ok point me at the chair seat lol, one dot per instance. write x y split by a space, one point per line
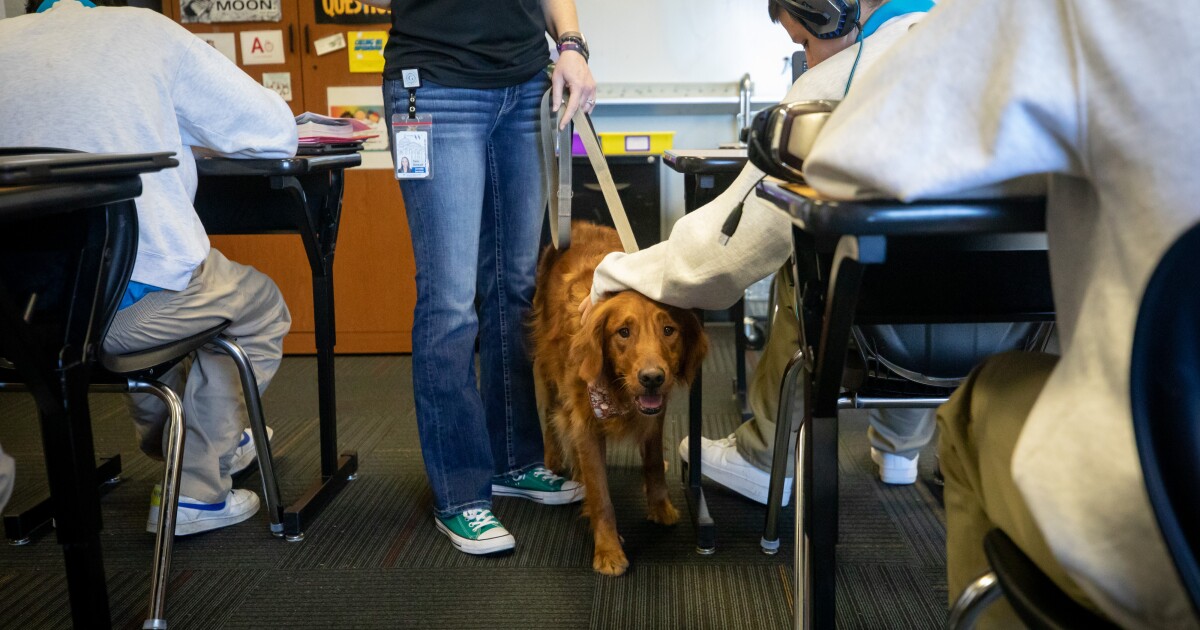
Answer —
1037 600
163 356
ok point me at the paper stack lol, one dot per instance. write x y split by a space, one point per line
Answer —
331 134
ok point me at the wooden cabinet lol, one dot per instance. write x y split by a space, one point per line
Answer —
374 273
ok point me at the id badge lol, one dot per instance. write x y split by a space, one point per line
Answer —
411 140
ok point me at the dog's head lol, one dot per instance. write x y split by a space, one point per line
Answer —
639 349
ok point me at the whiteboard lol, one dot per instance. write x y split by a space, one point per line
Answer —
681 41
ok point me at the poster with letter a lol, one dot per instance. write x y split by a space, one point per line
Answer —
206 11
262 47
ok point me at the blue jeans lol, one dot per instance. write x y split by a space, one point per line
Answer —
475 233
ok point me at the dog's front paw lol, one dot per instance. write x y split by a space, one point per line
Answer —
663 513
610 561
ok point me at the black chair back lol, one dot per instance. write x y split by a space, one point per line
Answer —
1165 396
62 275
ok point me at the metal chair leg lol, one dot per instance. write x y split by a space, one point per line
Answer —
258 427
168 502
785 427
800 570
974 600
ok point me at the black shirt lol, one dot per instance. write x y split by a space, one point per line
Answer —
467 43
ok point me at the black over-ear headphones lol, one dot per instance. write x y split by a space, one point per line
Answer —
826 19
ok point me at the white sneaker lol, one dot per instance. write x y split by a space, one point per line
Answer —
245 454
720 461
895 469
194 517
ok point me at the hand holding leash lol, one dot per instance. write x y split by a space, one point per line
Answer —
572 72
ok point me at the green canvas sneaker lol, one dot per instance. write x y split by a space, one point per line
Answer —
541 485
476 532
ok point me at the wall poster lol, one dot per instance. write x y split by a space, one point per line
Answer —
366 104
350 12
211 11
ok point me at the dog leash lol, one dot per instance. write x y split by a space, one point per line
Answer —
559 206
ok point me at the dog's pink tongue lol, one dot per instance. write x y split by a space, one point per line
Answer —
650 402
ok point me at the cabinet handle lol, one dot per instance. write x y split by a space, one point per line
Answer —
307 43
291 39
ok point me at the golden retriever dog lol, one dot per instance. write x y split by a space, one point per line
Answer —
607 378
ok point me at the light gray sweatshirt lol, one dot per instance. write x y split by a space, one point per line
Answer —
126 80
690 269
1102 95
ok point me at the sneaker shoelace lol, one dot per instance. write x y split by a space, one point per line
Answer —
480 518
547 475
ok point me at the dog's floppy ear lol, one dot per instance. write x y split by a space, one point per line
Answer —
695 343
587 347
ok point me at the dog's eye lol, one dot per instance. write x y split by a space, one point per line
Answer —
624 332
668 330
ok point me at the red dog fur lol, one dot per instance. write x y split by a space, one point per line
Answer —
636 348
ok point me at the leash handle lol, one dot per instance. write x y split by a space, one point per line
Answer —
560 203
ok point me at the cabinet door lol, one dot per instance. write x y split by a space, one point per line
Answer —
374 273
288 26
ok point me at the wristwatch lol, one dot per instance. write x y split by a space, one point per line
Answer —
573 40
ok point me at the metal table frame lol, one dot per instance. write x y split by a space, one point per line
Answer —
701 172
59 382
300 195
967 260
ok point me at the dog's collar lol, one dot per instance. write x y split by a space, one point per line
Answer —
603 405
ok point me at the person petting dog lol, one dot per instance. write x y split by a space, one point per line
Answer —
690 270
479 70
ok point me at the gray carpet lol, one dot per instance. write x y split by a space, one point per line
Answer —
374 559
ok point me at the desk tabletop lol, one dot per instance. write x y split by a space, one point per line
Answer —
888 217
18 202
705 161
299 165
49 166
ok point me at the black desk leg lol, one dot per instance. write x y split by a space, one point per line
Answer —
738 314
706 529
20 526
335 471
821 462
71 469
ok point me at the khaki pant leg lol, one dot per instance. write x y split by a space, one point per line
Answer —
214 408
756 436
979 426
902 432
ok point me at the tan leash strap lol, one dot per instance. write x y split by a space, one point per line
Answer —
560 204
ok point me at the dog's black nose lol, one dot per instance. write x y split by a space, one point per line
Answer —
651 378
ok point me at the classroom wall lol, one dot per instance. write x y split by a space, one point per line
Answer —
681 42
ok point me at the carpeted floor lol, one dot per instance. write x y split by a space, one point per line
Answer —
374 559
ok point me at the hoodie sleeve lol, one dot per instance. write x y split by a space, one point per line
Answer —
222 109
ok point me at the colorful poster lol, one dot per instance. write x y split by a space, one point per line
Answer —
366 51
262 47
223 42
206 11
366 104
281 82
350 12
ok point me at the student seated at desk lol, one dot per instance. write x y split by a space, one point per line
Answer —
127 80
1099 95
691 270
